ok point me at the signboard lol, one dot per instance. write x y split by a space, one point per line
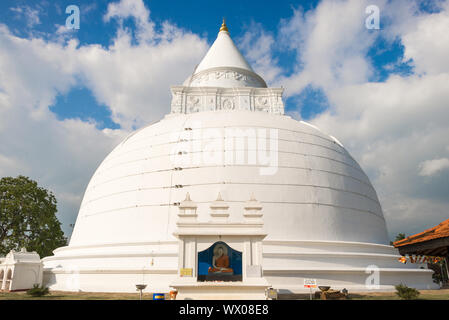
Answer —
186 272
272 294
309 283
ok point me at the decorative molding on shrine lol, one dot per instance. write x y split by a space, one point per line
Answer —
187 210
253 210
238 76
219 209
186 99
219 225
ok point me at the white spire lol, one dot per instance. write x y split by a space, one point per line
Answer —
225 81
224 66
223 53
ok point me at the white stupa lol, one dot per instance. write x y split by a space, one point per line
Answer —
227 135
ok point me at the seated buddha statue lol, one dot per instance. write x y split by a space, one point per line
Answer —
220 262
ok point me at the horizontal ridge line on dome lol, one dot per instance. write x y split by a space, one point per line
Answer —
233 137
193 140
115 254
270 242
114 271
376 201
264 254
265 270
267 243
342 269
333 253
321 136
274 242
236 165
118 165
231 201
118 244
233 183
215 166
335 173
232 150
137 131
226 150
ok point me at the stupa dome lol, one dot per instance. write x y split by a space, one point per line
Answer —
227 135
316 191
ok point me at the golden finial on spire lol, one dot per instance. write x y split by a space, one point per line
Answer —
223 26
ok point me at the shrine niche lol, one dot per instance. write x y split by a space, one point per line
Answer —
220 258
219 263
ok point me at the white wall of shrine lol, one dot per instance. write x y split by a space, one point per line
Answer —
20 270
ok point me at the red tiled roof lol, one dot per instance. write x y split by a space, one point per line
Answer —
439 231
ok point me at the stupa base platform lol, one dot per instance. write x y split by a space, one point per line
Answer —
235 290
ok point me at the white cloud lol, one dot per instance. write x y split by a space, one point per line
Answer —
60 155
132 9
390 127
131 77
134 80
330 42
427 42
413 215
8 164
257 46
431 167
31 15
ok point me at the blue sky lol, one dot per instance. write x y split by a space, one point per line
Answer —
383 93
200 17
189 15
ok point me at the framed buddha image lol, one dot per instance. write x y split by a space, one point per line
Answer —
219 262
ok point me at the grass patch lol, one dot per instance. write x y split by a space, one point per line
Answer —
442 294
62 295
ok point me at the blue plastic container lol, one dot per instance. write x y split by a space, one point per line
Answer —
158 296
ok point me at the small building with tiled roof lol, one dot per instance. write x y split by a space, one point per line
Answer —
431 242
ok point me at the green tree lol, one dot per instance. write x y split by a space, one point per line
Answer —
400 236
28 217
406 293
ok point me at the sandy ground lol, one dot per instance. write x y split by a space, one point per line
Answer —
62 295
442 294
